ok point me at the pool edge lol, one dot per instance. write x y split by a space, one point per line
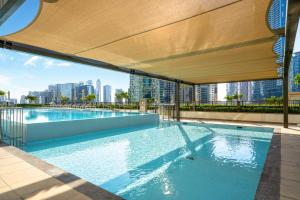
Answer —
269 182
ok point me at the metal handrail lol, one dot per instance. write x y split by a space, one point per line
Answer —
12 129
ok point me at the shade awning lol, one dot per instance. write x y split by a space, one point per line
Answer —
197 41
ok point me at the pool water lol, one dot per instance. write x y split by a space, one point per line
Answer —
168 161
52 115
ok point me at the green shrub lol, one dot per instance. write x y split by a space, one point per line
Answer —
244 108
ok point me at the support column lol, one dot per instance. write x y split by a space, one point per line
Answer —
286 89
194 97
177 101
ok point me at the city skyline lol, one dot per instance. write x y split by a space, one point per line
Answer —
28 72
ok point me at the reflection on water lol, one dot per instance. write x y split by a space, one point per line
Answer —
150 162
50 115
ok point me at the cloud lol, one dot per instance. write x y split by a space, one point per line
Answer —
5 80
45 62
64 64
32 61
48 63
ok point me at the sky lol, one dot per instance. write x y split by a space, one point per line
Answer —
21 72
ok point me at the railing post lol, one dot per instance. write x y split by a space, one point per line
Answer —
177 100
285 89
194 97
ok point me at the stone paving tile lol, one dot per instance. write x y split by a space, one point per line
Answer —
10 160
7 169
56 192
23 176
38 186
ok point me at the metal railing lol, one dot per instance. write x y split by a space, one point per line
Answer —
12 129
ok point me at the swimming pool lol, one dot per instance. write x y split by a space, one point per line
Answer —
167 161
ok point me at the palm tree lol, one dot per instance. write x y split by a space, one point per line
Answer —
31 98
228 98
64 99
2 93
297 79
271 100
90 97
119 96
238 98
125 96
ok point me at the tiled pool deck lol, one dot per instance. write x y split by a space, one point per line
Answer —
23 176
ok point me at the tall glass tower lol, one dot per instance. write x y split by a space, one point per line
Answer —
294 70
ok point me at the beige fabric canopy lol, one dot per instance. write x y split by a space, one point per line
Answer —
199 41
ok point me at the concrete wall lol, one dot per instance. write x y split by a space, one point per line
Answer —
234 116
48 130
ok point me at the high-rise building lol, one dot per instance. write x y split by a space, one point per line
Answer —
23 100
166 92
143 88
294 70
43 97
83 91
2 98
98 90
68 90
206 93
106 93
277 13
244 88
186 94
89 82
54 93
265 89
8 95
81 83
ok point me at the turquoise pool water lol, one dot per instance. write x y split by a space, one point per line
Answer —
52 115
168 161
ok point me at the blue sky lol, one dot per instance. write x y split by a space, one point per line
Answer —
20 72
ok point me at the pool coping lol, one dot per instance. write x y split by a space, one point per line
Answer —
82 186
269 182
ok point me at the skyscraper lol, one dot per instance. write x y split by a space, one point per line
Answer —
166 92
67 90
98 90
143 88
89 82
267 88
22 99
83 91
206 93
185 94
294 70
43 97
244 88
106 93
